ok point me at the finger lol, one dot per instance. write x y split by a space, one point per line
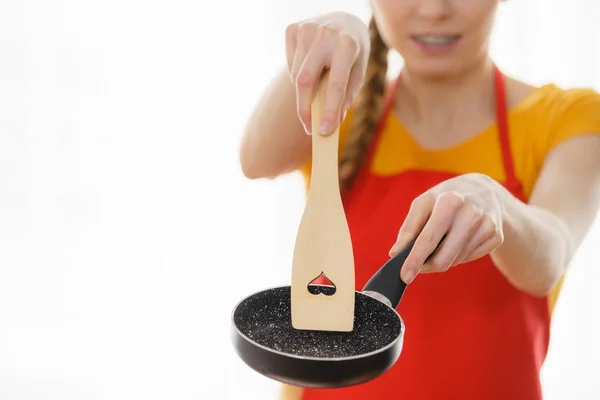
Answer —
486 230
461 231
419 213
489 238
442 217
350 94
309 75
305 35
484 248
343 59
357 75
291 35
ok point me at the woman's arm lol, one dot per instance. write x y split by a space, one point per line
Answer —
531 244
541 237
274 141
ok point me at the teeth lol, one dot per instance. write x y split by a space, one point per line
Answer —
436 40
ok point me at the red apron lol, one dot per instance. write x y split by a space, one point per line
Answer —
469 333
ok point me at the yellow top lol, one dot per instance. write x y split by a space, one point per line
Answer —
539 122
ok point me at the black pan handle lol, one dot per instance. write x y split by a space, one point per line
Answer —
387 280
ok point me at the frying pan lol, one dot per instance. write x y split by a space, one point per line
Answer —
265 340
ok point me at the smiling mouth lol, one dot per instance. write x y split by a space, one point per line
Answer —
436 40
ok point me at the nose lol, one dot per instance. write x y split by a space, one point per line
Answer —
434 9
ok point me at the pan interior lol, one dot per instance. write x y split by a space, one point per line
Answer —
265 318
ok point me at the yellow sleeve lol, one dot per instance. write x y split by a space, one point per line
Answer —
574 112
565 114
305 169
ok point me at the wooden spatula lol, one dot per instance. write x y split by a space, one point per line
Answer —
322 290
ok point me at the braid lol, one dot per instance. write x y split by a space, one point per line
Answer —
369 106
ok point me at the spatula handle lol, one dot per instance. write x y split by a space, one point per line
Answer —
324 175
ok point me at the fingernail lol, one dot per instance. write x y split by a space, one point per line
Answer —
408 278
394 250
324 129
306 128
400 243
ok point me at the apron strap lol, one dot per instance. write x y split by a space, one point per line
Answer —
503 129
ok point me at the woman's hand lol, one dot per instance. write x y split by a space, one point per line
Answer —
467 210
338 42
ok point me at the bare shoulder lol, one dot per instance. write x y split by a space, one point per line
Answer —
517 90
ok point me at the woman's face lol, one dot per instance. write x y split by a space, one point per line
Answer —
437 37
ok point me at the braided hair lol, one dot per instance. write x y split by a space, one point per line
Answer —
369 107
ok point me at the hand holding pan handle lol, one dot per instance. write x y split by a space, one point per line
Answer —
387 281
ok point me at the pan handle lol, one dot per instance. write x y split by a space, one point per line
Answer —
387 280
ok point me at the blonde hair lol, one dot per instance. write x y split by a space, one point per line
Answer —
367 111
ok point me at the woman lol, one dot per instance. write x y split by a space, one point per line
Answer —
510 173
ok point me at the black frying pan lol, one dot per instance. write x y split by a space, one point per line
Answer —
265 340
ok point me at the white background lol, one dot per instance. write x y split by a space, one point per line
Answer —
127 231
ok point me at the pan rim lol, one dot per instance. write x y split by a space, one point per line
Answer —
312 358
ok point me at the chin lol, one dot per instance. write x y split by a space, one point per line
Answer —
435 69
442 67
